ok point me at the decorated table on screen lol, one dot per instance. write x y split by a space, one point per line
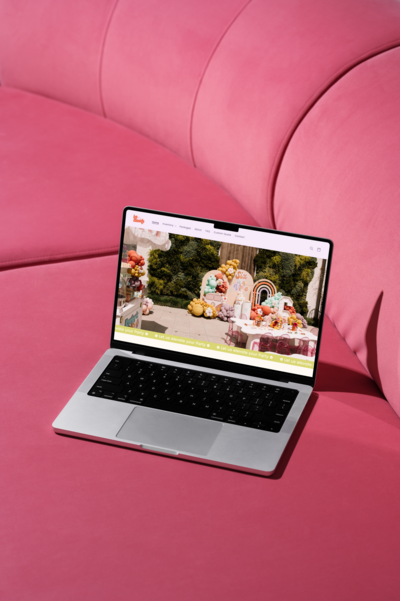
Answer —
254 333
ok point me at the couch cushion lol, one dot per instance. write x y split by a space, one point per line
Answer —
67 174
154 60
79 516
55 48
342 171
224 84
276 59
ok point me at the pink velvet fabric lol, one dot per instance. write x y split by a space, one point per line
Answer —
270 67
154 59
86 520
342 169
226 85
54 48
223 84
66 176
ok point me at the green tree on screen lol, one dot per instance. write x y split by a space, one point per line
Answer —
291 274
179 271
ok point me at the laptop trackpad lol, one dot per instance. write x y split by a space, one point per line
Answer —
169 431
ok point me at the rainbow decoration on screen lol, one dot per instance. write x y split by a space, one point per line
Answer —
262 286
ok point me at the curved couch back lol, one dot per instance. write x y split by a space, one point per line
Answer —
348 189
245 90
222 84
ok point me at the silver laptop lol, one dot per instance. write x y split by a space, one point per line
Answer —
214 342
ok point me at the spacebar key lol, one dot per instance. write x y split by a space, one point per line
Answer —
196 411
159 405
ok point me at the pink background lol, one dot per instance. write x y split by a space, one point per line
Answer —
279 114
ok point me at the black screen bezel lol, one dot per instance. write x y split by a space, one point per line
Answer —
222 365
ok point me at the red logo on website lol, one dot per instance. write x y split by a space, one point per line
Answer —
137 220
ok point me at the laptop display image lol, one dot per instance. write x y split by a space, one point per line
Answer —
215 341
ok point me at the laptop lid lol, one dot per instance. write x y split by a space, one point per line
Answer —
205 272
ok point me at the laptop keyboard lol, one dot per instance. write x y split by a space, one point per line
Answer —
196 393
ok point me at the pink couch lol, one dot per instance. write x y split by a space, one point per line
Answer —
282 114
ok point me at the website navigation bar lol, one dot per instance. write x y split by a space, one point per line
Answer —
244 237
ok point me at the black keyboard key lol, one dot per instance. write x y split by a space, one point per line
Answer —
181 386
170 398
215 385
218 402
244 399
137 400
230 403
252 386
231 418
118 362
258 401
247 415
113 373
110 387
231 388
201 375
110 380
290 394
182 402
284 407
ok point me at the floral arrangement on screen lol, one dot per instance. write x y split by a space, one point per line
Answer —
230 268
226 312
199 308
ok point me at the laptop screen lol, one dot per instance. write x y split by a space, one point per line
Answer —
233 293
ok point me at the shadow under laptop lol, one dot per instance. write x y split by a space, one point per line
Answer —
291 445
335 378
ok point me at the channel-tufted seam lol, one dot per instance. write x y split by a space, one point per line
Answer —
103 45
203 75
331 81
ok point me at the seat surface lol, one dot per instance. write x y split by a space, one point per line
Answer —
82 519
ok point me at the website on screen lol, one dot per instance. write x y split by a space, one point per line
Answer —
245 296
